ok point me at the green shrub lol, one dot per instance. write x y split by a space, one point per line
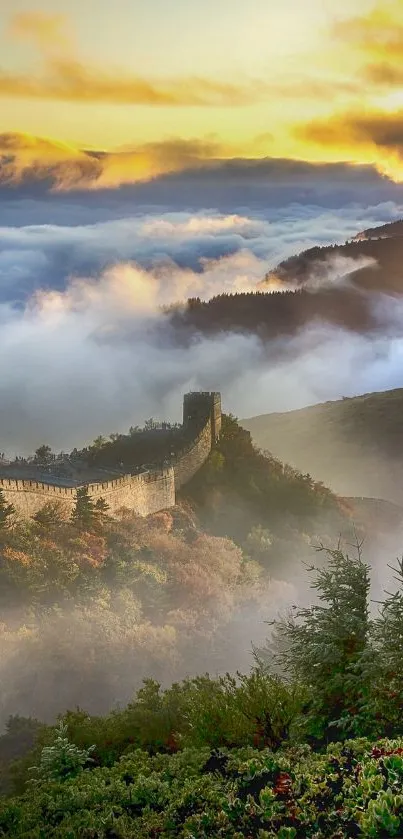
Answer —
352 790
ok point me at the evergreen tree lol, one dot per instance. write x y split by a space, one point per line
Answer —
61 760
43 456
101 509
324 646
383 703
48 516
6 512
84 514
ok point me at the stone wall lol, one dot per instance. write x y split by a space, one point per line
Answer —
193 458
30 496
146 492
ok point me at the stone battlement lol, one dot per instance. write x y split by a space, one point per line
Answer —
146 492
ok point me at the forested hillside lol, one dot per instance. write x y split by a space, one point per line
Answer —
307 746
393 228
314 291
132 595
382 273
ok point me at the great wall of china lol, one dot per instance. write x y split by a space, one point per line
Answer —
149 491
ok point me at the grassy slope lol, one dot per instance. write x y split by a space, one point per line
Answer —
354 445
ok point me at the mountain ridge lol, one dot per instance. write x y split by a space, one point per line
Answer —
354 445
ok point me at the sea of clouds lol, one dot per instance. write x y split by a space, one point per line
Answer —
85 348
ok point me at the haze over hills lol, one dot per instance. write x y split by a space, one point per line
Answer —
354 445
380 270
350 286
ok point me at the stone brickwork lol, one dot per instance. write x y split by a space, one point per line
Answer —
146 492
30 496
191 460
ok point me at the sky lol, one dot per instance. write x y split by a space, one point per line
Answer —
161 85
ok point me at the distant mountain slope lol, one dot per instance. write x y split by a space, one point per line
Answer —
355 446
385 275
336 284
393 228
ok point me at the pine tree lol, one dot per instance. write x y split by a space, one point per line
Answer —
101 511
84 514
61 760
6 512
324 646
43 456
48 516
383 668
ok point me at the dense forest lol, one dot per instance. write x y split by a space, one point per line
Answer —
383 274
392 228
301 293
272 315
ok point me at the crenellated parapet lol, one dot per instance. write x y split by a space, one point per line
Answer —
148 491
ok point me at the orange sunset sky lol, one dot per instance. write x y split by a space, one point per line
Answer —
159 85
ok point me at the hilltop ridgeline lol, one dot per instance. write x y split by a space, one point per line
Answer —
353 445
381 273
392 228
319 284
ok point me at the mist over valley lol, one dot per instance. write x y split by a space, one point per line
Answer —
201 393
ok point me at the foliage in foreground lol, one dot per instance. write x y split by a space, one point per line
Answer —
329 672
352 790
349 663
228 757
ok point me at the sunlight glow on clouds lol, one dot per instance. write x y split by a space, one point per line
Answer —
337 69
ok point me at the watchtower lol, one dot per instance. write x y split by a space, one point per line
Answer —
198 407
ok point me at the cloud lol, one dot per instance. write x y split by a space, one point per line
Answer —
48 31
222 252
378 32
200 171
62 167
384 73
333 272
92 353
80 301
71 81
102 343
376 130
66 78
98 357
378 36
